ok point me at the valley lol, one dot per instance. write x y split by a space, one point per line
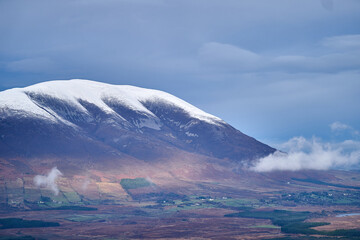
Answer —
146 207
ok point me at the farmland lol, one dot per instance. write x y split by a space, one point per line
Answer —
208 210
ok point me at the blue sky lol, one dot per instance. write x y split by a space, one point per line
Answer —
272 69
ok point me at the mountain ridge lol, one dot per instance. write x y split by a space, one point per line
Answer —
83 117
96 93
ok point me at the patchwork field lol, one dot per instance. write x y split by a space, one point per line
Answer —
143 208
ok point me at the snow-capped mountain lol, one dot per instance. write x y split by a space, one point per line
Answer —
81 118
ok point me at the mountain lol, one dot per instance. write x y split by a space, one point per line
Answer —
95 161
92 121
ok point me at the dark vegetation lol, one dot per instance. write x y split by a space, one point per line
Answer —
45 199
75 208
139 212
129 223
161 197
293 222
21 223
27 237
278 217
128 183
301 227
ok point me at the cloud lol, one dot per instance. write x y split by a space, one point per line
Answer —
338 126
299 65
220 56
335 62
48 181
341 128
228 56
312 154
342 42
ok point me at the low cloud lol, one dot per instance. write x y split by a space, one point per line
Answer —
48 181
85 184
304 154
338 127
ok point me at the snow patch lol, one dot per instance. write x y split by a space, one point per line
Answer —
149 123
189 134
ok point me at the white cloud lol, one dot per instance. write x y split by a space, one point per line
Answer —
313 154
48 181
338 126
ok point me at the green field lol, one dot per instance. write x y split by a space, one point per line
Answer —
128 183
72 197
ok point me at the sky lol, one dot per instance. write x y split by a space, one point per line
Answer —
272 69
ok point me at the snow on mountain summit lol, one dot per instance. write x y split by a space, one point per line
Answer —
72 91
82 118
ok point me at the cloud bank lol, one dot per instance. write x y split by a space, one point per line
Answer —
304 154
48 181
300 153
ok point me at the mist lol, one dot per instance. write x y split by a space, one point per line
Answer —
48 181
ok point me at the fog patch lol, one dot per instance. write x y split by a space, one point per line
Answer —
48 181
85 184
304 154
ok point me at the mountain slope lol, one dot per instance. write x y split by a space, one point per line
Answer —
86 119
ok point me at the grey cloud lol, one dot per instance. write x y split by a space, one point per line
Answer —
228 56
326 63
197 50
233 58
290 102
342 42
